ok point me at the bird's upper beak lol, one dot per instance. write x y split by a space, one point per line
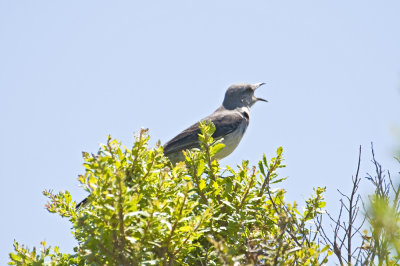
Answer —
256 86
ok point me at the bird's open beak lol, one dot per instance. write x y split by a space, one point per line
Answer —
256 86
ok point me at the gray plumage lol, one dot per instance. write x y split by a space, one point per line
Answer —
230 119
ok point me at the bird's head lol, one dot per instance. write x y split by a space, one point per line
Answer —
241 95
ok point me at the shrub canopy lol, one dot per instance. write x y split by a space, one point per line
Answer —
142 210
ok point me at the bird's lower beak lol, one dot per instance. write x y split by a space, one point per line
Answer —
261 99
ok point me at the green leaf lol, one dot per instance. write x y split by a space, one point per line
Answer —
215 185
261 167
15 257
186 228
201 167
279 151
216 148
202 184
278 180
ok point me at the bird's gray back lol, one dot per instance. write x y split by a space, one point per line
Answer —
226 122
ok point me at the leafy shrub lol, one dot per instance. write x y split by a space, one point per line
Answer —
142 210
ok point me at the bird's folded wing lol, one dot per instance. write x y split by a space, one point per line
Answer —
189 138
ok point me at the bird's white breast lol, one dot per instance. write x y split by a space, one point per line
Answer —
232 140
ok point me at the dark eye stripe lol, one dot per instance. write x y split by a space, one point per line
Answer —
245 114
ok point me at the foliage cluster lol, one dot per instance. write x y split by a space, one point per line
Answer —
382 240
142 210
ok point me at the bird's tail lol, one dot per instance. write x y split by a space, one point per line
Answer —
82 203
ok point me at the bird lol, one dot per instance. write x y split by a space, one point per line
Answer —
231 120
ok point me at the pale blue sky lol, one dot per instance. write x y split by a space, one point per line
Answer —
72 72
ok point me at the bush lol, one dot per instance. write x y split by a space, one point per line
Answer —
142 210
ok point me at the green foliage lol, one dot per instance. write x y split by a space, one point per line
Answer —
24 256
382 240
142 210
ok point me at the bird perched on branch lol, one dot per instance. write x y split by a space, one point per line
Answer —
230 119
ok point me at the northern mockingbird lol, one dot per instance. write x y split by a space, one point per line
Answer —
230 119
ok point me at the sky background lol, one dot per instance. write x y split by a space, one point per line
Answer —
72 72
